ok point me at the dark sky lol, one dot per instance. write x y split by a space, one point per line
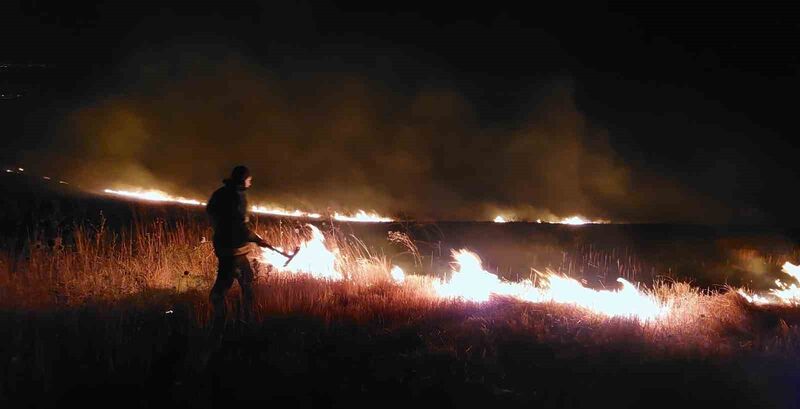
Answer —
674 111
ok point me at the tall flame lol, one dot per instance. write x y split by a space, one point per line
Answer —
313 258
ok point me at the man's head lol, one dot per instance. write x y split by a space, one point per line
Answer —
240 176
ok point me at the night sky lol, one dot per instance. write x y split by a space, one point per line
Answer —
629 111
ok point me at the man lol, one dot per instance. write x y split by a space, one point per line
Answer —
227 208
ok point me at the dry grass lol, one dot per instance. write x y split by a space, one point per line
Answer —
104 266
123 281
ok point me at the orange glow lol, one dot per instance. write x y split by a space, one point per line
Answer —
785 293
313 258
153 195
282 212
471 282
361 216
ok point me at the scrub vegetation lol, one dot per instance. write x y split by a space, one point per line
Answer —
120 316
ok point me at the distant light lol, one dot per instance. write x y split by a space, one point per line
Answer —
500 219
574 220
46 177
9 171
62 182
21 170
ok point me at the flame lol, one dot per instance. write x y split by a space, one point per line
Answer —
574 220
471 282
313 258
788 293
580 220
361 216
398 275
784 294
153 195
277 211
754 298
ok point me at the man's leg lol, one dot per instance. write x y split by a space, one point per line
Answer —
218 291
246 279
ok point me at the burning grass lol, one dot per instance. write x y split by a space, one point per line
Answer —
128 309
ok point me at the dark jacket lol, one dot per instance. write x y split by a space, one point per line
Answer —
227 208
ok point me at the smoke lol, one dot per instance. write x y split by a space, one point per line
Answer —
182 120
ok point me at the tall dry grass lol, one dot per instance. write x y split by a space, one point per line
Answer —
176 257
129 307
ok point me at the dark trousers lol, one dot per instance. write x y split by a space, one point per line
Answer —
230 268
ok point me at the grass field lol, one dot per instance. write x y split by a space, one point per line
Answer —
117 314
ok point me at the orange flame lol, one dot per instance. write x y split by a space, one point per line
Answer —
362 216
784 294
472 282
313 258
153 195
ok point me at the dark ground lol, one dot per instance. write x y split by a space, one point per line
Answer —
127 355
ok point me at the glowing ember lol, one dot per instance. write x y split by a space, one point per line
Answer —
500 219
361 216
313 258
471 282
21 170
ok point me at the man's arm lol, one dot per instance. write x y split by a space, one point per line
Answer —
251 235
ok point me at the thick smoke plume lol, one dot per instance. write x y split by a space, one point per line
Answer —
339 141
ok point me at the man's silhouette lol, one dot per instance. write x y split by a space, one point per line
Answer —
227 208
